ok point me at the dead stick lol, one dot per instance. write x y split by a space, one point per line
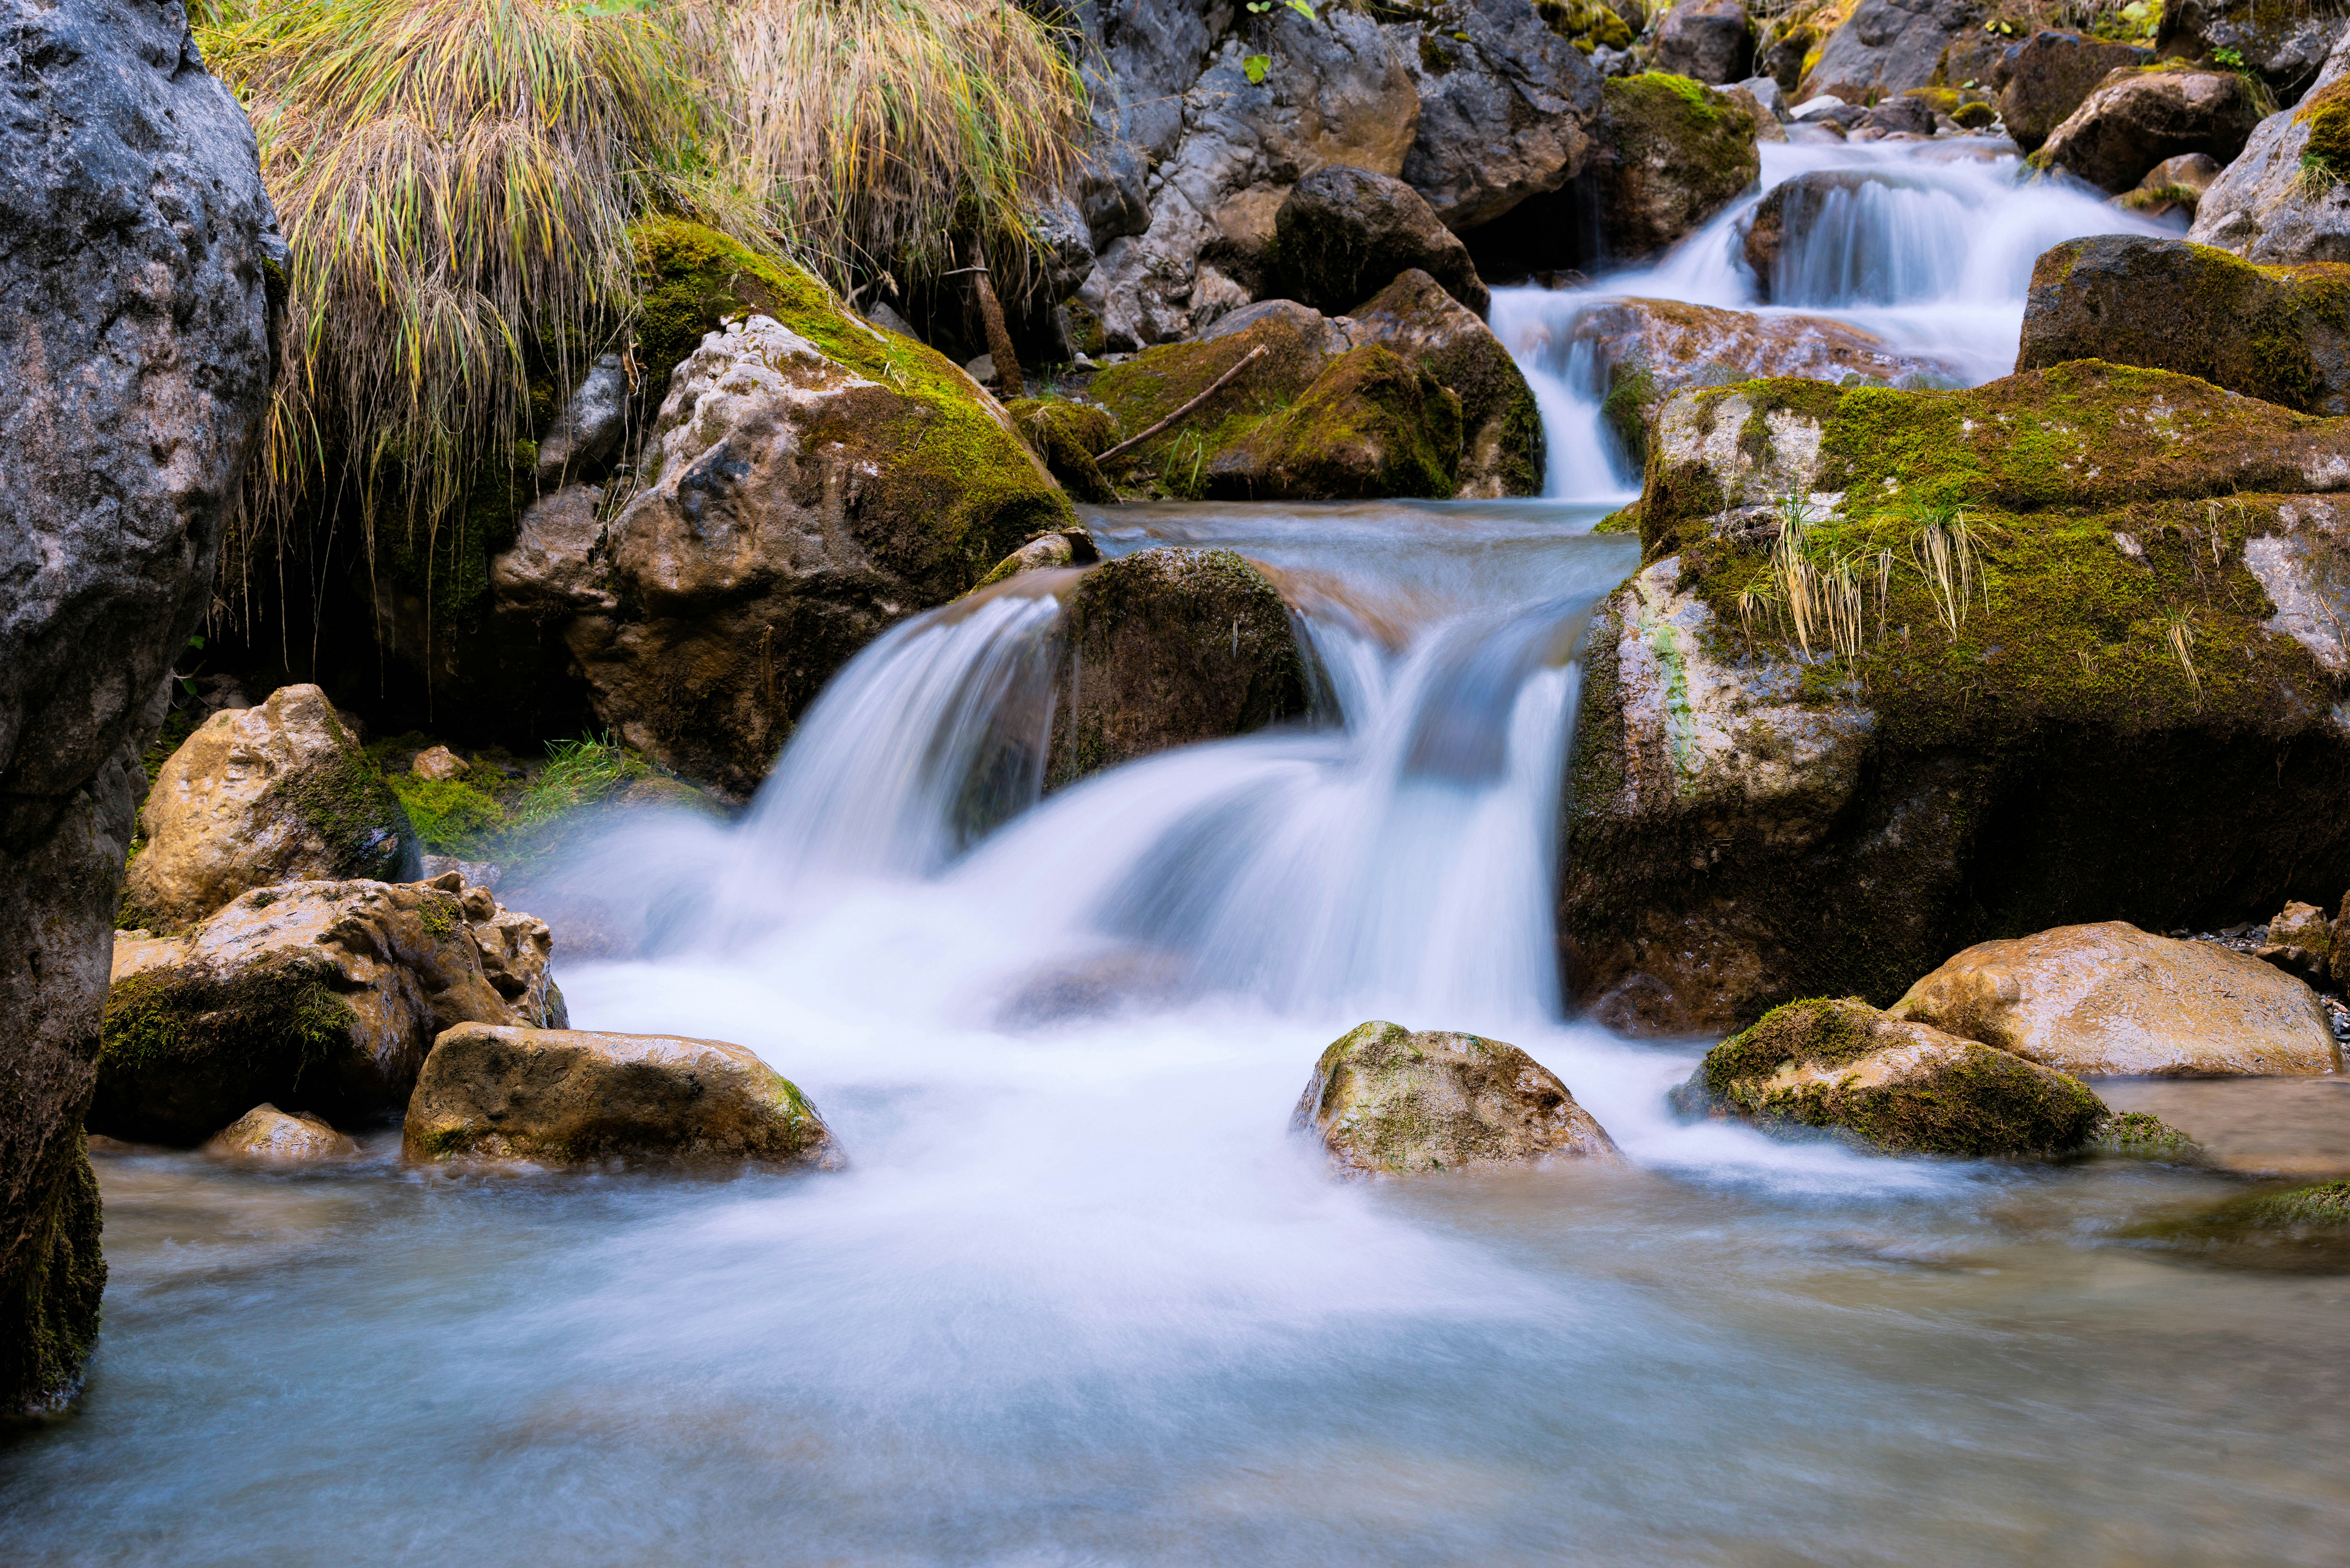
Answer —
1214 387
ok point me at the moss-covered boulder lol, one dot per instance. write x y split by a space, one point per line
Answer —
2109 1000
566 1097
319 996
1501 428
1387 1101
1271 360
1672 155
2280 334
1166 647
2137 118
280 793
1897 1086
1068 436
810 480
2069 650
1371 425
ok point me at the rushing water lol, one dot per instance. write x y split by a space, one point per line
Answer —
1080 1297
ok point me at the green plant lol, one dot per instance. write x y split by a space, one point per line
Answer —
449 815
578 773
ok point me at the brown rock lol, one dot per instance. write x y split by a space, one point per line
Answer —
1386 1101
1501 445
2110 1000
271 1137
256 796
2048 76
2135 119
561 1097
437 763
1372 425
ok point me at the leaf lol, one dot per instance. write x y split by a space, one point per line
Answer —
1303 7
1257 66
197 640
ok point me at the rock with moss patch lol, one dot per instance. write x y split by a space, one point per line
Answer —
2286 46
1168 647
2136 119
1068 436
280 793
1672 154
1897 1086
567 1098
321 994
2050 73
2278 333
2109 1000
1046 553
2141 1135
809 480
1880 48
267 1136
1502 436
1344 234
1371 425
2285 199
2301 1230
1711 41
1387 1101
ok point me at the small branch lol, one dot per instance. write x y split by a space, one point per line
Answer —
1213 388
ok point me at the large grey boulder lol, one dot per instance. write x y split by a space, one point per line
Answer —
1673 155
134 367
1709 41
2262 207
1886 47
1507 109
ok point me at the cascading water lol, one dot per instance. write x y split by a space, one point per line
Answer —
1928 245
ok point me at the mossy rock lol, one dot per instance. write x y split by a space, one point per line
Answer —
1586 23
1372 426
1385 1100
49 1313
2297 1230
1068 436
1675 153
1158 382
1896 1086
2141 1135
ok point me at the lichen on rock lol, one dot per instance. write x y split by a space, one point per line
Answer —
1387 1101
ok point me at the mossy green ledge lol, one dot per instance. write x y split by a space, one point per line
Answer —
2139 714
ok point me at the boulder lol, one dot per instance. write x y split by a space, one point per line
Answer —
556 563
1906 116
491 1095
1297 345
1046 553
2050 73
1372 425
1343 234
1145 54
1336 92
1885 47
1673 153
1894 1085
809 480
1647 349
2300 942
2110 1001
2280 334
2285 45
281 792
1166 647
1068 436
1387 1101
2174 185
1501 428
1709 41
1507 105
323 994
1759 810
2284 198
2136 119
267 1136
2139 1135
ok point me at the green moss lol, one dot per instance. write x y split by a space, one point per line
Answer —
1068 436
346 802
1158 382
1818 1032
49 1300
1372 425
450 815
2142 1136
1586 23
1657 121
184 1051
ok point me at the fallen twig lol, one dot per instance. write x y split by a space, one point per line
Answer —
1214 387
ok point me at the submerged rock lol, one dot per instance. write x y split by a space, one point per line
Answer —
560 1096
2140 1135
1897 1085
1386 1101
268 1136
2280 334
1672 154
2136 119
2110 1000
281 792
1344 234
2302 1229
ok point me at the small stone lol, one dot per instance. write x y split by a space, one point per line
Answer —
440 763
268 1134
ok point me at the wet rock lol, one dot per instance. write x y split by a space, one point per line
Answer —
1387 1101
2139 1135
1885 47
1068 436
590 426
2050 73
2285 45
1894 1084
2135 119
1501 438
2109 1000
1046 553
1168 647
1905 116
1371 425
2276 333
1673 153
1794 208
1709 41
809 480
489 1095
1345 234
2303 1230
556 563
281 792
1327 338
324 994
2175 185
517 954
2283 200
266 1134
437 763
1507 106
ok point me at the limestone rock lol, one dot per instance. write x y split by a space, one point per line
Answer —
589 429
1371 425
556 563
516 952
267 1136
1168 647
1501 439
1896 1084
2300 942
134 368
2109 1000
1387 1101
2286 45
2276 333
1345 234
437 763
2050 73
1673 153
1885 47
2135 119
281 792
1507 107
1709 41
2263 207
561 1097
323 994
